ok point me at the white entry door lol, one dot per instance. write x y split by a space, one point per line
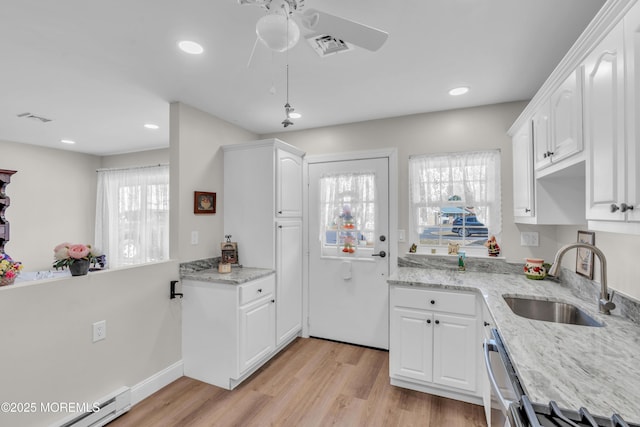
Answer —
348 251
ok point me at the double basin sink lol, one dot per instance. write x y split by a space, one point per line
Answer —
550 311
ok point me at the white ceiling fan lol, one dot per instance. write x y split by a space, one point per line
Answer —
279 33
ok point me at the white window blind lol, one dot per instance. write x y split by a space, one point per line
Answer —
455 197
132 215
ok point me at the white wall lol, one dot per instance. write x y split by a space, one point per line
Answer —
47 351
621 251
196 157
141 158
448 131
53 200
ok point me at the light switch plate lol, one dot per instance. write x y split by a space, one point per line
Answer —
401 236
529 238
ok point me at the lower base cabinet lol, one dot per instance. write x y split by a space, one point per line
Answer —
228 331
434 342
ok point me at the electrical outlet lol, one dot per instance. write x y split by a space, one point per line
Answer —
529 238
99 330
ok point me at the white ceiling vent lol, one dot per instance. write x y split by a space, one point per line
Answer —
34 117
325 45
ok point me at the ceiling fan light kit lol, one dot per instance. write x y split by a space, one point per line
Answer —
277 32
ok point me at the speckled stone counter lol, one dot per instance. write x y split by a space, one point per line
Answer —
237 276
598 368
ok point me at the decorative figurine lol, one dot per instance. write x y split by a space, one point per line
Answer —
413 248
453 248
492 246
461 258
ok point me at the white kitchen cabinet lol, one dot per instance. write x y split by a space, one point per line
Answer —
288 184
228 331
558 124
523 195
541 129
604 126
435 342
289 280
555 198
612 103
263 213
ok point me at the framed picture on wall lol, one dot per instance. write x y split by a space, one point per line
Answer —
584 257
204 203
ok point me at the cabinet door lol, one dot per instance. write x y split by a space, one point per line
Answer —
541 139
523 196
288 184
289 279
604 126
566 118
257 332
632 63
455 351
410 349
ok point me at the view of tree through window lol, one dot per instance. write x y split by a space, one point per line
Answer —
455 197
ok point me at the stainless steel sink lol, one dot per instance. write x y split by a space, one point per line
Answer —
550 311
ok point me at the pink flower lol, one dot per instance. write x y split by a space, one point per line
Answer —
78 251
10 274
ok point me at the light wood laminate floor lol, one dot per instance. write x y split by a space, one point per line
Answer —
312 382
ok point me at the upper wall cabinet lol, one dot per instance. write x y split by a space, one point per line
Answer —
557 126
612 83
523 197
604 109
288 184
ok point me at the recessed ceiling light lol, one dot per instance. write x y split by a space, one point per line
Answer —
67 141
459 91
151 126
191 47
295 115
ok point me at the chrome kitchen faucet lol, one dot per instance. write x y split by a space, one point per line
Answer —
605 303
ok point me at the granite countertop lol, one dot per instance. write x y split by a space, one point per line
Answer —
238 275
577 366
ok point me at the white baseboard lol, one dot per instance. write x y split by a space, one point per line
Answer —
155 382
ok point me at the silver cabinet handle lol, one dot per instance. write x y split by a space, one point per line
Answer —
625 207
614 207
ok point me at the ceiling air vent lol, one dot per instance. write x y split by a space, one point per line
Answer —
34 117
327 45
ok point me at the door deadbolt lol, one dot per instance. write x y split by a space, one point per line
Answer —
383 238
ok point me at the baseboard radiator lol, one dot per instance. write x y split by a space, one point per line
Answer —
110 407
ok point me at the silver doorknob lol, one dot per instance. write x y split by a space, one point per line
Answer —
381 254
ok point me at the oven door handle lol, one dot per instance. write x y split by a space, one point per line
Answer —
489 346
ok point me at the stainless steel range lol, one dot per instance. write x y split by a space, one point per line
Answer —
516 408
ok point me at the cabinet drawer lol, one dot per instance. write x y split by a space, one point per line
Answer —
256 289
427 299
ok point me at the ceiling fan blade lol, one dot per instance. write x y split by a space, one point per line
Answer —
349 31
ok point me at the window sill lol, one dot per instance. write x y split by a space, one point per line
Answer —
442 252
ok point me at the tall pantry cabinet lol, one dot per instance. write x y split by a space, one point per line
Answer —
263 213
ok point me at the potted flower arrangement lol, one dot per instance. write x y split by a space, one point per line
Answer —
77 257
9 269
